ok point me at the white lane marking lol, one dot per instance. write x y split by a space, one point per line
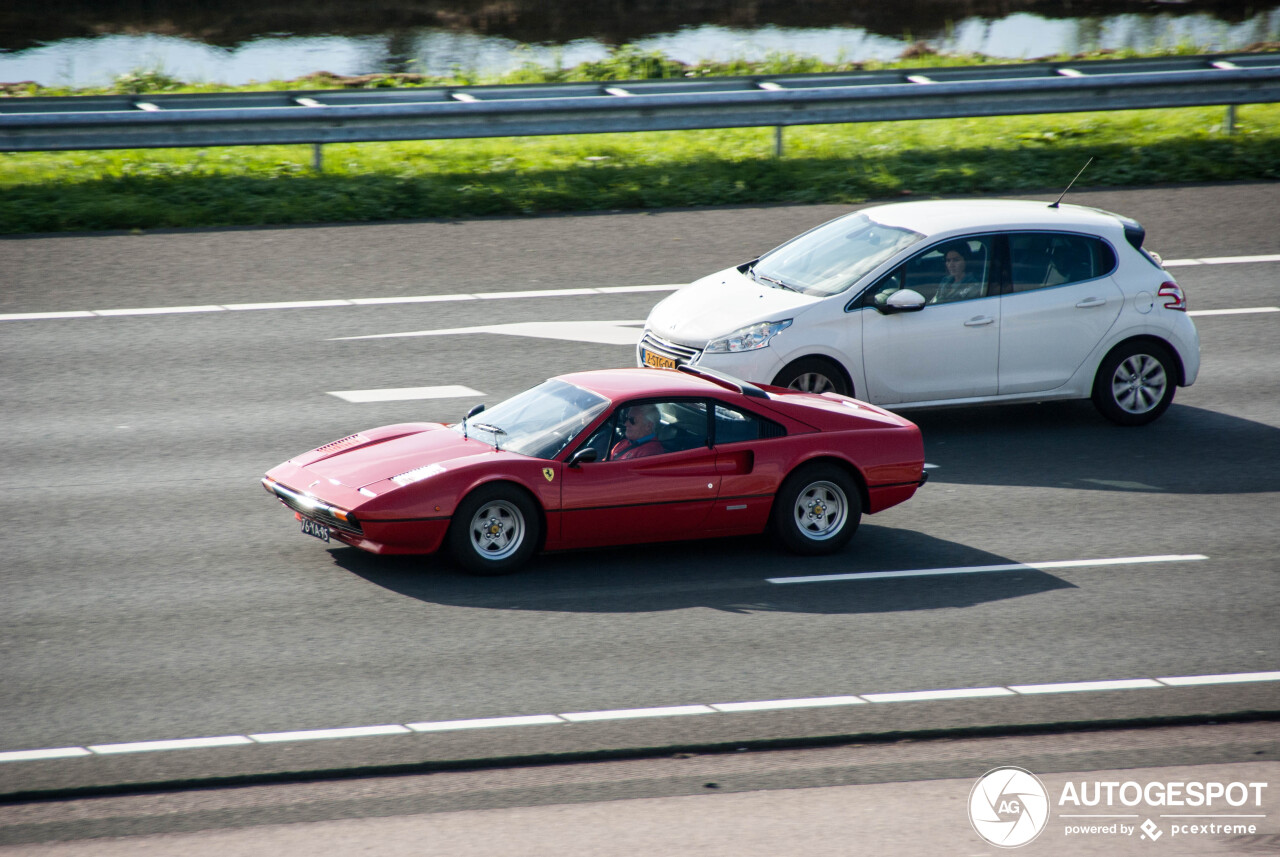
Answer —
486 723
979 569
1222 260
179 744
285 305
166 310
343 302
405 394
1241 311
329 734
1085 686
602 332
1226 678
780 704
927 695
44 316
36 755
627 713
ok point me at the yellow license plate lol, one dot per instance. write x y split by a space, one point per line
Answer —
658 361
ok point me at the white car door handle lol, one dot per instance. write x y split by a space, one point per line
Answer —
979 321
1088 302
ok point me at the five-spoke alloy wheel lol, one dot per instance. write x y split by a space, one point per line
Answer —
817 510
494 530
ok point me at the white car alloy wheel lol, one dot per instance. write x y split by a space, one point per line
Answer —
1139 384
813 375
1135 383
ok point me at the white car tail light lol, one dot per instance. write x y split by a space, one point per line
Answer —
1172 293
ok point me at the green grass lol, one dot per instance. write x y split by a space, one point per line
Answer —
149 189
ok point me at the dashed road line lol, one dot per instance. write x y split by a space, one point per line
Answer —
1240 311
318 304
405 394
983 569
512 295
889 698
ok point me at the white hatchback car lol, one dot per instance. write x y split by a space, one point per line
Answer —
947 302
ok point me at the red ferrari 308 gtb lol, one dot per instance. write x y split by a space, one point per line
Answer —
610 457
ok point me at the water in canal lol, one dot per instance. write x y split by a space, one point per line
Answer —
89 42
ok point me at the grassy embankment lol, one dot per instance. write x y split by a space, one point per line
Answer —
147 189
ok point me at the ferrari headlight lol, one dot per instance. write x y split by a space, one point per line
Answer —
748 338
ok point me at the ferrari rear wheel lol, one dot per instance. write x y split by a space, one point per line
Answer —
494 531
813 375
817 510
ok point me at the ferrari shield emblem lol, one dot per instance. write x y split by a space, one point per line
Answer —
548 473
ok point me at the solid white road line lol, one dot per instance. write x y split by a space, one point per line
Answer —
329 734
926 695
980 569
1086 686
314 304
1222 260
405 394
179 744
630 713
625 332
525 293
1240 311
485 723
633 713
36 755
781 704
1229 678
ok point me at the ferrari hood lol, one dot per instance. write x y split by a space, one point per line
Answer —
720 304
382 454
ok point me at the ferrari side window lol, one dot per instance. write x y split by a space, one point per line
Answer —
733 426
655 428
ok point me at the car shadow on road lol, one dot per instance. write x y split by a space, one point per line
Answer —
1068 445
730 575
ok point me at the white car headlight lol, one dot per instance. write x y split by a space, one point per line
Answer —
748 338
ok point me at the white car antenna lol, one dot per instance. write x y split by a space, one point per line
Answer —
1054 204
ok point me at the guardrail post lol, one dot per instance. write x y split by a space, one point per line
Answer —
1229 124
777 141
317 157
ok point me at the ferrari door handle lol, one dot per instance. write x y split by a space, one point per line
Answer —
1088 302
979 321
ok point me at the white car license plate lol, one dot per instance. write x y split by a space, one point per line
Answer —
311 528
657 361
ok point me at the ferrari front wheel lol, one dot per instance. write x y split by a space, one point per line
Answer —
495 530
817 510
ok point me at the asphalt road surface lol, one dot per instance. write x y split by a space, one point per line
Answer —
153 592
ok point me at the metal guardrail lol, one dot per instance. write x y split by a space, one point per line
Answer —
342 116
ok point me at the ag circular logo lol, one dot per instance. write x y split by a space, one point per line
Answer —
1008 807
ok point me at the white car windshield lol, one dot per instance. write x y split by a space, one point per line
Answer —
831 258
539 422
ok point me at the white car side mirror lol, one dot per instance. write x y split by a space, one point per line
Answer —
905 300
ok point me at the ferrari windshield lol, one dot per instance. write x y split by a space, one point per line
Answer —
832 257
538 422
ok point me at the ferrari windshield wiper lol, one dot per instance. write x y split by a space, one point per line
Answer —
493 430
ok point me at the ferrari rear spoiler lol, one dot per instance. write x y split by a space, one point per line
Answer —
727 381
